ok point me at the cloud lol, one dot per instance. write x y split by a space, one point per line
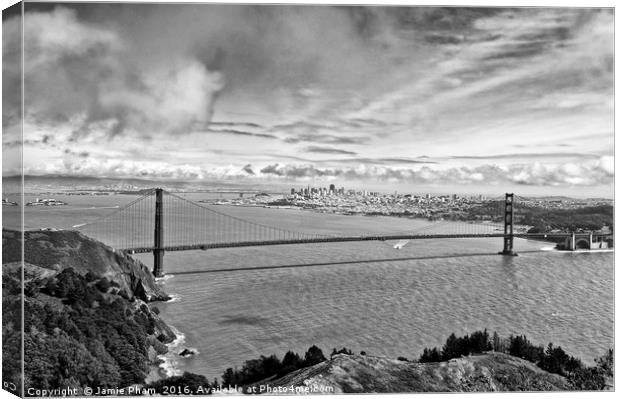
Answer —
248 169
165 99
242 133
78 70
80 154
234 124
588 173
327 139
522 156
332 133
259 92
392 160
328 150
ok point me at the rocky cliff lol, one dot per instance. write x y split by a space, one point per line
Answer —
85 317
58 250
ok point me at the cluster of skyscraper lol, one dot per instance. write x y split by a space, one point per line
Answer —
319 190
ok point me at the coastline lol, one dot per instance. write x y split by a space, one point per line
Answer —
169 361
166 364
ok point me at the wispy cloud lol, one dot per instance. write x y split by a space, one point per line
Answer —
488 95
234 124
241 133
527 156
327 139
328 150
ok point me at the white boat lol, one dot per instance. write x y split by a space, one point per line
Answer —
400 244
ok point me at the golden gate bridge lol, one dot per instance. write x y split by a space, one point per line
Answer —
161 221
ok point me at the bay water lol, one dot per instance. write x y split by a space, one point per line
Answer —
231 305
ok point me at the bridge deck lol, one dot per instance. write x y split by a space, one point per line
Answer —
344 239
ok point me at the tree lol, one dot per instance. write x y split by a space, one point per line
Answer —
497 343
229 377
479 342
606 363
453 347
344 351
588 379
430 355
520 347
554 360
291 362
314 355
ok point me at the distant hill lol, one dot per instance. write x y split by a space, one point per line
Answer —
60 183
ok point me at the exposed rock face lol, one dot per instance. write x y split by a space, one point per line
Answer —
85 308
187 352
369 374
58 250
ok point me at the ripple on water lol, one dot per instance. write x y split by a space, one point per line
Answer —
392 308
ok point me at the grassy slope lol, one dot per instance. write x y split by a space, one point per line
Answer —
482 373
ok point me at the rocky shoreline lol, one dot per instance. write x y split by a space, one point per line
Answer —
83 300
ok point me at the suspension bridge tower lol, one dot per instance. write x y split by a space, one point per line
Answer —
508 227
158 247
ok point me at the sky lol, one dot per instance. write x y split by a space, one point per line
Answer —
455 99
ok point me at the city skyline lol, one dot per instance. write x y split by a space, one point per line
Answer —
408 99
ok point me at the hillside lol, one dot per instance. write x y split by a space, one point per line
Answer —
370 374
86 320
57 250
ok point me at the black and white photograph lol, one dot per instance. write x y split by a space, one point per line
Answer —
211 198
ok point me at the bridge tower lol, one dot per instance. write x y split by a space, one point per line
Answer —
158 247
508 229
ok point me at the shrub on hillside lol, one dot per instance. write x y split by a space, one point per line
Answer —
551 359
78 344
264 367
314 355
343 351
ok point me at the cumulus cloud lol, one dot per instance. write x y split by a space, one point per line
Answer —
593 172
248 169
73 69
588 173
252 88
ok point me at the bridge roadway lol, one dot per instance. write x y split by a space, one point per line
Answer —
537 236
